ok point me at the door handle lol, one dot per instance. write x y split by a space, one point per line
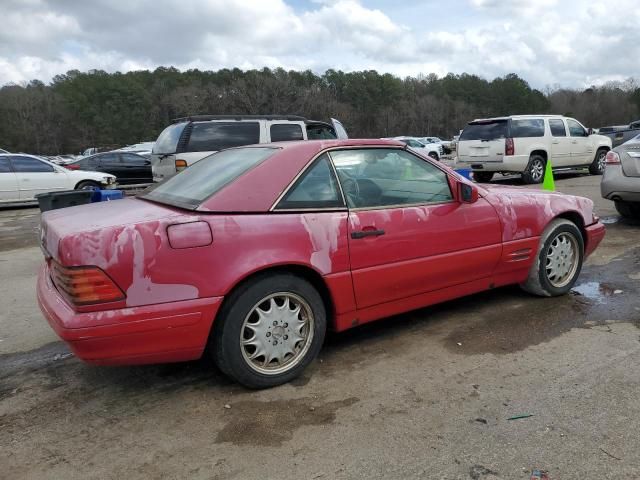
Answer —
367 233
556 142
574 141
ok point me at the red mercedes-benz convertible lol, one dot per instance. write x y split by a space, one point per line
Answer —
252 253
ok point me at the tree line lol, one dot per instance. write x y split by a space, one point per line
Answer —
85 109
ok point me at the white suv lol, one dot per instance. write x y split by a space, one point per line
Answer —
190 139
524 143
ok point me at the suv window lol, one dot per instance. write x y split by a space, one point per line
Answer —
488 130
167 142
5 167
30 165
557 127
317 188
283 132
320 132
389 177
214 136
575 129
527 127
206 177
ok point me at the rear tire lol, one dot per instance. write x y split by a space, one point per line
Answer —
597 166
434 155
628 209
558 261
88 185
259 320
482 177
534 173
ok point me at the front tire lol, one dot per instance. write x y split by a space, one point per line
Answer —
88 185
534 173
628 209
597 166
558 262
482 177
269 330
434 155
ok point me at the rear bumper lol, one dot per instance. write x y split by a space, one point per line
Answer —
595 234
168 332
615 185
513 163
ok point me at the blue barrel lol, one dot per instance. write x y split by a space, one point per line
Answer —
106 195
465 172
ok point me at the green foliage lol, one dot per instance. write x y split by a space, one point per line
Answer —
85 109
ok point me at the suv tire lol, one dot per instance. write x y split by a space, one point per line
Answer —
628 209
597 166
482 177
534 173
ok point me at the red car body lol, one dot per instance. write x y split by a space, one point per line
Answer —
175 267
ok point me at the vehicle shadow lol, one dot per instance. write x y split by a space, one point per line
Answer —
517 179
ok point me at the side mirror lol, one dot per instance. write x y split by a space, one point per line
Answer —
589 131
467 193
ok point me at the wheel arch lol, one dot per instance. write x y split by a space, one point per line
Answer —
577 219
539 151
85 180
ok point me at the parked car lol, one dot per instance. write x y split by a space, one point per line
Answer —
128 168
447 146
23 176
622 133
621 180
434 150
523 144
2 150
190 139
256 251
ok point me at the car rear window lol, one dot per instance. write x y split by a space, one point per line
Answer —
215 136
167 142
489 130
527 127
201 180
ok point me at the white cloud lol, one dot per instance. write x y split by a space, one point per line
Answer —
546 41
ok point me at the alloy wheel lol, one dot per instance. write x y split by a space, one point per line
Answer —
562 259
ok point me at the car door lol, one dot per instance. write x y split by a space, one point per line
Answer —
581 150
37 176
408 234
8 181
110 163
560 143
137 169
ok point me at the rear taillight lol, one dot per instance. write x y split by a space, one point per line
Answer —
181 165
85 285
612 158
72 167
509 147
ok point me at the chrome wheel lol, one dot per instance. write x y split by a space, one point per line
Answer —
277 333
602 156
562 259
536 170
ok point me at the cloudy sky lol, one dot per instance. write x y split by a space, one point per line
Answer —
571 43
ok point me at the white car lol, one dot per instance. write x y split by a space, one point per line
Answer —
447 146
23 176
434 150
525 143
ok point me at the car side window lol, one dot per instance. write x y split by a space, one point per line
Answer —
557 127
316 188
5 166
379 177
413 143
575 129
108 159
29 165
285 132
527 127
320 132
215 136
131 159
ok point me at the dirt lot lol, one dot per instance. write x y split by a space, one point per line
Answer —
422 395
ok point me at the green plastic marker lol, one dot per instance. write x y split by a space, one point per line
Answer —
547 182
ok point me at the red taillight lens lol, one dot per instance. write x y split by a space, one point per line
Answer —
509 147
612 158
180 165
85 285
71 166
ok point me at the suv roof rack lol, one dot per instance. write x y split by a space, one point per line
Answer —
204 118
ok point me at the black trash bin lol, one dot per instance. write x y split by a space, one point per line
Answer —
65 198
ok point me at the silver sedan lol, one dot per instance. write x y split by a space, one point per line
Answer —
621 179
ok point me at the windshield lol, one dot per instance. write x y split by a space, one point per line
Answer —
167 142
490 130
192 186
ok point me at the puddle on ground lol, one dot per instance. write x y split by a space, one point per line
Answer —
595 291
271 423
609 220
